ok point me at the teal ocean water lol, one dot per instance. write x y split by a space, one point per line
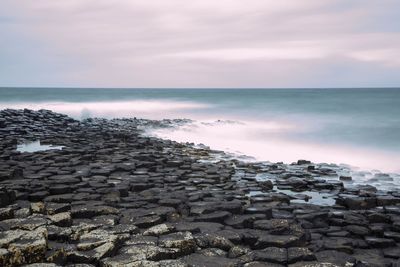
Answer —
360 127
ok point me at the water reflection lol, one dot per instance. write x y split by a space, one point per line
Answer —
35 147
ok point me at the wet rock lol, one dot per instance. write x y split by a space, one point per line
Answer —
38 196
270 254
60 189
42 264
371 257
56 253
357 230
6 197
274 226
293 236
357 203
296 254
93 255
218 216
2 123
262 264
196 227
282 241
375 242
339 244
246 220
115 197
266 185
387 200
59 233
146 221
392 235
345 178
303 162
198 260
91 211
393 252
334 257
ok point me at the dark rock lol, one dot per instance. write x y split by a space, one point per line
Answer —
198 260
375 242
183 241
270 254
6 213
335 257
38 196
266 185
262 264
387 200
159 229
296 254
24 246
371 257
303 162
148 252
214 240
61 219
217 216
88 211
392 252
357 203
274 226
345 178
237 251
357 230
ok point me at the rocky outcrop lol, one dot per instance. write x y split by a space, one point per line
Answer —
114 197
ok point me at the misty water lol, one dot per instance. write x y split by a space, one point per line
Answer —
358 127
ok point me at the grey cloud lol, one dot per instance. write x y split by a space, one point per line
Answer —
225 43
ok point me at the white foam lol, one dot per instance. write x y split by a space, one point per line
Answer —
152 109
266 141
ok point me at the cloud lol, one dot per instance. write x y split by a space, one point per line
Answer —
177 43
391 56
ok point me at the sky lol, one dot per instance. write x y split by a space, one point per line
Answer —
200 43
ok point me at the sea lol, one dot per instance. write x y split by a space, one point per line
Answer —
355 127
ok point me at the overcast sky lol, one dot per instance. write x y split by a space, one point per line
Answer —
200 43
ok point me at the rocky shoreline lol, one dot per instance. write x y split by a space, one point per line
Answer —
115 197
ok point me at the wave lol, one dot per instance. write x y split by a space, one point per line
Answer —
152 109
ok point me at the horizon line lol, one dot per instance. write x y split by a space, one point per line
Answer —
194 88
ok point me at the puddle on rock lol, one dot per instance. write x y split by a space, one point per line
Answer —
303 197
311 197
35 147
